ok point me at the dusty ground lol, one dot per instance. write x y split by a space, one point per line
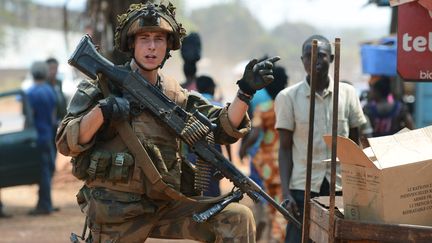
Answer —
57 226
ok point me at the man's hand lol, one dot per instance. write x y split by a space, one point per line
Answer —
257 75
290 204
114 108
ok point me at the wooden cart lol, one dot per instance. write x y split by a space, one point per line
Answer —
351 231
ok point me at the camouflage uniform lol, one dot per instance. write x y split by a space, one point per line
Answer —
118 198
233 224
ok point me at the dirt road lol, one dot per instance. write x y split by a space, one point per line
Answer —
55 228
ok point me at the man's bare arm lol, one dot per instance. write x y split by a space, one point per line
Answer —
90 124
285 159
354 134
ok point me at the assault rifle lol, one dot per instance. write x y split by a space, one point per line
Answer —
190 127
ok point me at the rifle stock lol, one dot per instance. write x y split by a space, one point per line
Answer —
86 59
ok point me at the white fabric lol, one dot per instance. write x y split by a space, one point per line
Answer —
292 113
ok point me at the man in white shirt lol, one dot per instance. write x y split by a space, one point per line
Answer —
292 122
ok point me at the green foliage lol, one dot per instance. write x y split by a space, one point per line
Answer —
11 13
230 34
238 35
11 10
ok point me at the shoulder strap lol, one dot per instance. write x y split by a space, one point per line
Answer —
141 156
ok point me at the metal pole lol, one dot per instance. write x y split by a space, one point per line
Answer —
312 84
334 141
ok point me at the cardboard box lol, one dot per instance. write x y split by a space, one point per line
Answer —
391 182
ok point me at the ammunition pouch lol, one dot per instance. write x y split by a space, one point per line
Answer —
102 164
80 164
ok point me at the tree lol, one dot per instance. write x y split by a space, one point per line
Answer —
101 23
8 15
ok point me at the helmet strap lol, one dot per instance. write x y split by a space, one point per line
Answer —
167 55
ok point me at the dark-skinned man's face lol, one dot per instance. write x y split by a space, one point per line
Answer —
324 59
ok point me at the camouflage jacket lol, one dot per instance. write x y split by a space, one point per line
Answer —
160 142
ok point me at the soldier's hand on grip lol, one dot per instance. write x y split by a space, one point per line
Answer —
114 108
257 75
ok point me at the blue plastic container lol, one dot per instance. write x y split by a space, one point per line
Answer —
380 59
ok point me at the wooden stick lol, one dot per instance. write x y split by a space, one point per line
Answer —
306 211
334 141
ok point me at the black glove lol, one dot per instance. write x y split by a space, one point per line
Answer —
114 108
262 70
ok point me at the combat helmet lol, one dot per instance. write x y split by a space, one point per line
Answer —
148 16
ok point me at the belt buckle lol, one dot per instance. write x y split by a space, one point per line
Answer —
119 159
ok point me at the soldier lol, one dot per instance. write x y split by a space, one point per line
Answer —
121 201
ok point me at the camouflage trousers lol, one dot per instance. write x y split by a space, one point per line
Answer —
117 221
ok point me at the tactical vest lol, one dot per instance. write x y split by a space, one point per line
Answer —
161 144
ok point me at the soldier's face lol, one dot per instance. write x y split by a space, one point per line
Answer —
150 48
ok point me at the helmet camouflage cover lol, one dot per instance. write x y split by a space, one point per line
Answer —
148 16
